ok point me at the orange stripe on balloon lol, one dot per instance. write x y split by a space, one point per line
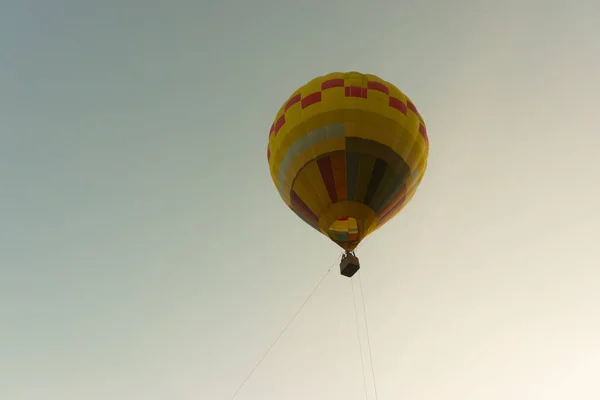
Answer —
380 87
332 83
338 165
293 101
279 123
327 175
397 104
311 99
300 206
412 107
423 132
356 91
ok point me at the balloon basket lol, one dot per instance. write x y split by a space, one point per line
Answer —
349 265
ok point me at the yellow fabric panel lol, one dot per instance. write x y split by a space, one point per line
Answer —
333 99
416 152
303 188
404 144
304 157
395 92
353 123
330 117
294 118
333 75
345 232
363 214
375 127
376 102
379 129
354 107
374 78
305 185
352 226
301 129
311 171
313 111
348 225
283 139
355 79
411 123
339 226
393 115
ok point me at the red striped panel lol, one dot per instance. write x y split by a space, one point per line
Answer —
279 123
356 91
293 101
338 166
327 175
423 132
412 107
300 206
271 130
397 104
311 99
332 83
380 87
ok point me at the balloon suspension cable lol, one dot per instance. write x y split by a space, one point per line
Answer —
284 329
364 311
362 362
362 295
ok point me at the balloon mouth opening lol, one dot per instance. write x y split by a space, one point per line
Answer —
344 231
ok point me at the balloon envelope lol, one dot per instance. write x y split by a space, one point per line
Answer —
347 152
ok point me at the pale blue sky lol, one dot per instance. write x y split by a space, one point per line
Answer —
145 253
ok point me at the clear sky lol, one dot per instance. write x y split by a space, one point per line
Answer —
145 253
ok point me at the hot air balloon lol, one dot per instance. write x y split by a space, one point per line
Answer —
346 152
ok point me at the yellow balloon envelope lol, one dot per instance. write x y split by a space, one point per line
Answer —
347 152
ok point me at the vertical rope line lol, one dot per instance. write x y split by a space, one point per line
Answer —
284 329
367 330
362 362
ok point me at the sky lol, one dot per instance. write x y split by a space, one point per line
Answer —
146 254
